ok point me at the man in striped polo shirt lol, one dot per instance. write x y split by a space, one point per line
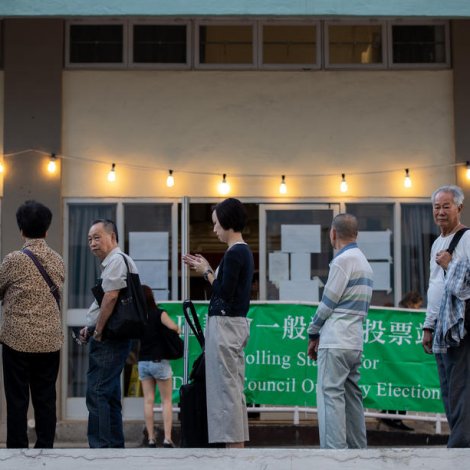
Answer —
336 340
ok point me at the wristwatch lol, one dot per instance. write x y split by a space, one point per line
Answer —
206 274
96 334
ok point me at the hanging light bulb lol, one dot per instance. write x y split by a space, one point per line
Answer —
283 186
407 181
468 170
170 180
343 187
112 173
224 187
52 165
2 168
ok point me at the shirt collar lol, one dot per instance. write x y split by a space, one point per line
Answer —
34 242
345 248
106 261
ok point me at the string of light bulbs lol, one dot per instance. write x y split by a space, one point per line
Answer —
224 186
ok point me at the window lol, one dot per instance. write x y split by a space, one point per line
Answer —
160 44
419 44
295 251
148 240
226 44
418 232
290 44
376 241
354 45
83 271
96 44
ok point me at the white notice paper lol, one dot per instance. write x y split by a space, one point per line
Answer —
300 266
301 238
153 273
148 245
306 291
278 267
381 275
375 245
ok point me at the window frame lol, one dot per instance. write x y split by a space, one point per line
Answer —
97 65
427 65
301 66
362 22
206 22
156 65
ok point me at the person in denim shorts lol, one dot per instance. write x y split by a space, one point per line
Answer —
156 371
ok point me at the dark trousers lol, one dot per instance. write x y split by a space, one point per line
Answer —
36 372
454 375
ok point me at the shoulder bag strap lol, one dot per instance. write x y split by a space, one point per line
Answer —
125 261
455 239
52 287
194 321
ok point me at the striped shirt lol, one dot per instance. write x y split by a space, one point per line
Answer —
345 301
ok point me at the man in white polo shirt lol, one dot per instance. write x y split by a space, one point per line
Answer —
336 340
107 356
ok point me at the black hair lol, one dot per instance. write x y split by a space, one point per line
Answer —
34 219
109 225
231 214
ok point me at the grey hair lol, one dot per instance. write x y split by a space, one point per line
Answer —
346 226
450 188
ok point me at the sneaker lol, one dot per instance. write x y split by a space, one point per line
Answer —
151 443
168 444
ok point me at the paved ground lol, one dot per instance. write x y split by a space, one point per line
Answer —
235 459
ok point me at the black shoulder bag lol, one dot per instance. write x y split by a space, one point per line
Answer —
129 317
52 287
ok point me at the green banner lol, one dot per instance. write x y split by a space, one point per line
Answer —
396 374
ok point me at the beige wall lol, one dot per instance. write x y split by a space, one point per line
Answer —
1 123
251 123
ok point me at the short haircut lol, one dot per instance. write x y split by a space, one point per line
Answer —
109 226
231 214
450 188
34 219
345 226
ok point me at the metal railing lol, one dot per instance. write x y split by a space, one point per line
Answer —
296 411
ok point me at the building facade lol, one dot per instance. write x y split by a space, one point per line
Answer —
300 93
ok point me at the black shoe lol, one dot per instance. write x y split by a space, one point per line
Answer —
396 424
151 443
168 444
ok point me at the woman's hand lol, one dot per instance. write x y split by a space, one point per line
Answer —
197 263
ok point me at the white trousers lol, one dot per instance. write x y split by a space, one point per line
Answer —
227 418
341 419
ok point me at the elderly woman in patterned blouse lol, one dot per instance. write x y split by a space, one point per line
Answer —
31 330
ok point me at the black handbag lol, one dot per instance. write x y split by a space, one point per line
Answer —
129 317
193 406
172 346
198 370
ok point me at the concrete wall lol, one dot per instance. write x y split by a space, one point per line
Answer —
258 123
33 57
461 65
